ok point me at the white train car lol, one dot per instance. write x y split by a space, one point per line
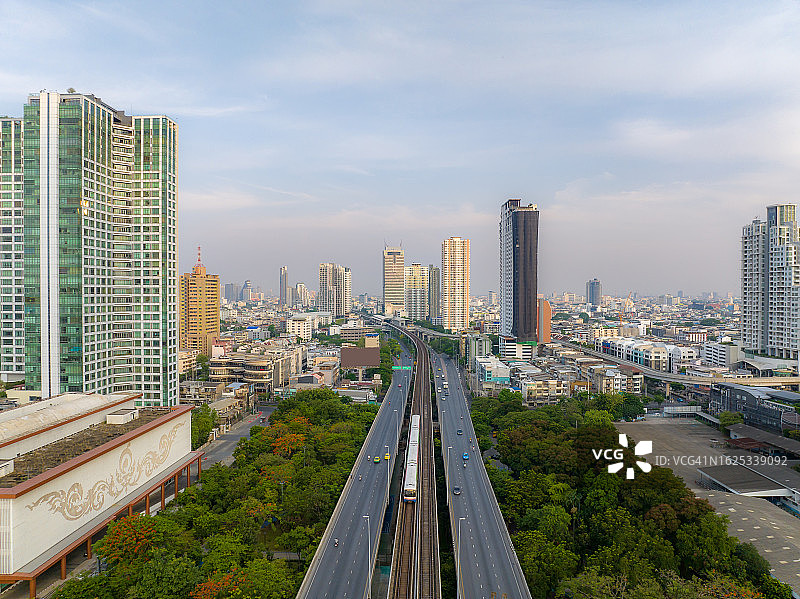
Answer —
410 478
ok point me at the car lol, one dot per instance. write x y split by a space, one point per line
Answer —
400 385
456 490
465 455
376 459
440 370
386 456
459 432
438 390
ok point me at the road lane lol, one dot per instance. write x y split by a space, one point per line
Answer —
488 563
343 571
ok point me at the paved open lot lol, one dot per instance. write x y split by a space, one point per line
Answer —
773 531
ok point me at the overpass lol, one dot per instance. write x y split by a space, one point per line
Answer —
690 379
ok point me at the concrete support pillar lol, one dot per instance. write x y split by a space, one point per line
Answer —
163 491
667 390
32 588
63 567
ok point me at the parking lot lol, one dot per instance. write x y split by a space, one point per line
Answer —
772 530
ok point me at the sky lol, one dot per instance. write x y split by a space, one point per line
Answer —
647 133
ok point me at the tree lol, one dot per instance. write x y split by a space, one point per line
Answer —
204 419
727 419
226 552
543 562
598 419
165 577
85 586
202 363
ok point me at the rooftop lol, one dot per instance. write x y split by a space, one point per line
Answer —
789 445
54 454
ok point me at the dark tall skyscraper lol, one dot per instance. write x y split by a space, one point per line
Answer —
594 292
519 247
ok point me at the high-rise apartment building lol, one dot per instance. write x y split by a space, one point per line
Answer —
199 309
302 294
416 284
519 245
455 283
284 287
12 323
247 293
594 293
434 292
393 280
771 283
99 225
335 289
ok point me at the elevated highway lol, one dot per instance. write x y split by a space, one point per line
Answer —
343 563
487 566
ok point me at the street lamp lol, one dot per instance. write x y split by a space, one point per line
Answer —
369 559
458 555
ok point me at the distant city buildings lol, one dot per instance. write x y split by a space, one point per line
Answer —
455 283
771 283
519 234
90 201
393 280
233 292
594 293
335 289
199 309
434 294
285 299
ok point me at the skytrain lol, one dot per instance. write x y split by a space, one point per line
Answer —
410 478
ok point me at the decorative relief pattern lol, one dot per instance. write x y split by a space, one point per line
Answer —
73 503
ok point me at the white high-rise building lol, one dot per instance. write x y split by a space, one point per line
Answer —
99 218
771 283
302 294
12 308
335 289
393 280
417 291
455 283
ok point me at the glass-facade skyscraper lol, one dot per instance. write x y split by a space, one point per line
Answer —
99 241
12 325
519 271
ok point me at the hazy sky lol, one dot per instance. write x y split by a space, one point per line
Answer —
648 133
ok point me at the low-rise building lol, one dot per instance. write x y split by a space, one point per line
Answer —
187 360
511 350
725 353
73 463
300 327
761 407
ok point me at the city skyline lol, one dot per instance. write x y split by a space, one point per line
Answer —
417 122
